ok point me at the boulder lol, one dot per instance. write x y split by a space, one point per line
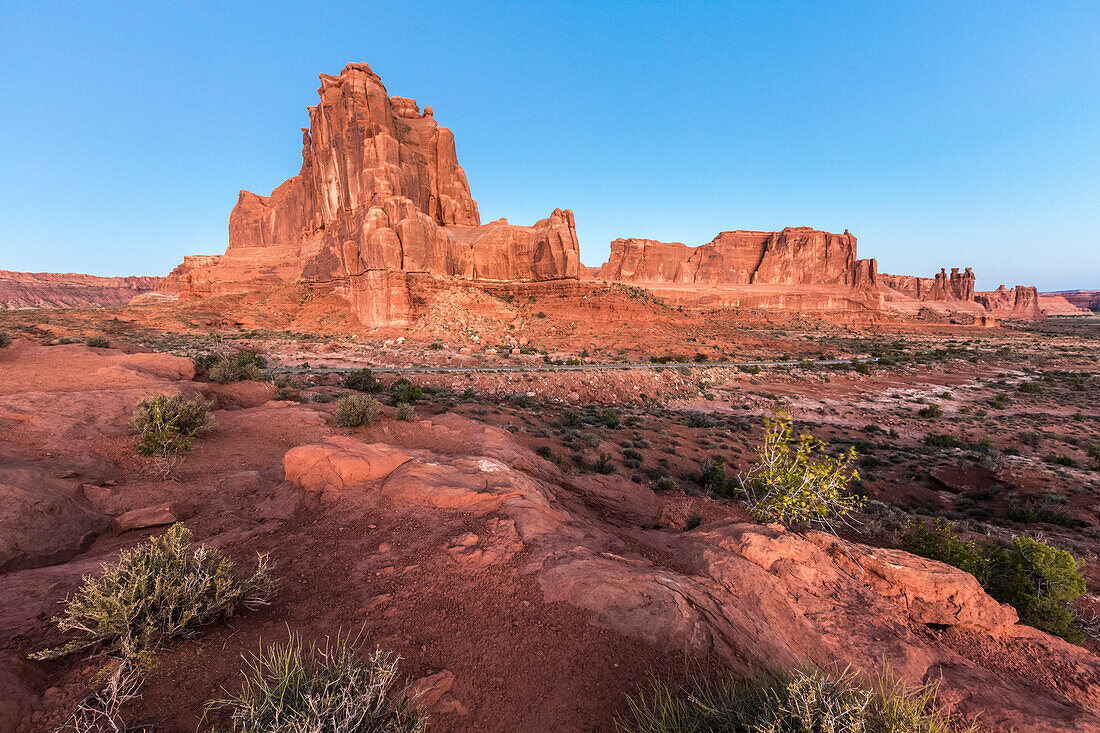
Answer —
340 463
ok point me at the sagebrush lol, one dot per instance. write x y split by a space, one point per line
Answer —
156 591
236 367
355 410
167 425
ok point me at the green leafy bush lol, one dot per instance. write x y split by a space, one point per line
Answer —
801 702
795 481
942 440
355 410
405 412
569 419
604 464
291 688
238 367
362 380
405 391
1094 456
156 591
610 418
1039 581
5 340
1058 460
98 342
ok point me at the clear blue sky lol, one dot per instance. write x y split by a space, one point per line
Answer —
940 133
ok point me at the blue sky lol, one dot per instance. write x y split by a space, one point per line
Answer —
940 133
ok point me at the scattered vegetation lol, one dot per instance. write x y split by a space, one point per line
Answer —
98 342
5 339
942 440
405 412
1094 456
801 702
795 481
293 688
355 410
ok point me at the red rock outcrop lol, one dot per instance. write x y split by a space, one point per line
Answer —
794 256
943 287
1020 302
1057 304
20 290
380 193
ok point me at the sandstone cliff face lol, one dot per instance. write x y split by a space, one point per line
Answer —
380 190
20 290
943 287
794 256
1021 302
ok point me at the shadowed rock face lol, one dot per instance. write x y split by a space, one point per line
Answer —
380 191
794 256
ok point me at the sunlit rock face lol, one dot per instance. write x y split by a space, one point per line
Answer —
380 190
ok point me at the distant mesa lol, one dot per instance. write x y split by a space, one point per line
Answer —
24 290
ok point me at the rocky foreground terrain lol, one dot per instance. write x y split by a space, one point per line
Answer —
525 592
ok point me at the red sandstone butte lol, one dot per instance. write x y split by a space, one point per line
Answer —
942 287
794 256
380 194
1020 302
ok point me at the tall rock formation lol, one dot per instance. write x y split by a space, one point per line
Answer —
794 256
943 287
380 193
19 290
1020 302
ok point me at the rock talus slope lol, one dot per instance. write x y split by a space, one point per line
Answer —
380 193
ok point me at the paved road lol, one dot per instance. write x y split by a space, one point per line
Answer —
555 367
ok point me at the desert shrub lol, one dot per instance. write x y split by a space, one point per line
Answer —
98 342
405 391
610 418
5 340
701 358
713 477
1058 460
1094 456
604 464
667 483
167 424
1041 582
942 440
355 410
156 591
405 412
435 346
938 542
362 380
800 702
238 367
999 401
932 412
569 419
292 688
1031 388
795 481
1032 513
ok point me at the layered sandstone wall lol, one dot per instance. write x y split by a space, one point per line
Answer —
793 256
943 287
19 290
380 190
1086 300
